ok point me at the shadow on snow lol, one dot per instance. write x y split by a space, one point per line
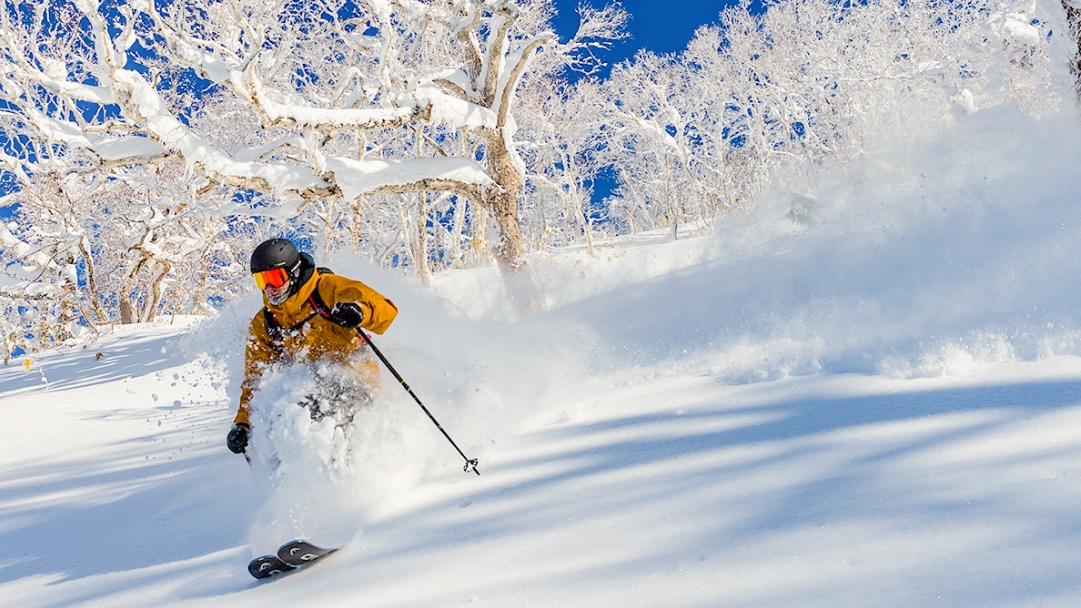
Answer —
846 489
137 507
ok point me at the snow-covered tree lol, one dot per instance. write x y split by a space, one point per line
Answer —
87 250
764 100
346 99
562 128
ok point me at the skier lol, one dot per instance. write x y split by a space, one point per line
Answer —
310 316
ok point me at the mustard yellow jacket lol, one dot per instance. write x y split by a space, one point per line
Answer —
318 339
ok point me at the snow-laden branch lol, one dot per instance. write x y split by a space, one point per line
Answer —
357 178
147 107
452 112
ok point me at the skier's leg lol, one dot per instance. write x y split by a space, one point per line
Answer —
346 388
314 404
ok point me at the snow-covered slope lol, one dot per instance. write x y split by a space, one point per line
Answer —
882 407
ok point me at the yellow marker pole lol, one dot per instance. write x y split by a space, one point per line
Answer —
26 366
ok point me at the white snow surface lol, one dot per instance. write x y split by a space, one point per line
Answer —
879 407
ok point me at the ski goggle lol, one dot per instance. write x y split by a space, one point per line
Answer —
275 277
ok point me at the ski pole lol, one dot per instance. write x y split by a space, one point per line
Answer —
470 464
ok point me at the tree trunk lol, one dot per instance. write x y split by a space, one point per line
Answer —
420 256
91 283
127 310
502 201
1073 16
157 291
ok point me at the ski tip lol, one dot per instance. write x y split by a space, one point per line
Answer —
301 552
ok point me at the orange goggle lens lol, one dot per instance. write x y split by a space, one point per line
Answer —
275 277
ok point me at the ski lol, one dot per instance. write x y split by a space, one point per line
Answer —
291 556
268 566
299 553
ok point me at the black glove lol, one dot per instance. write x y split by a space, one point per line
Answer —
347 314
237 441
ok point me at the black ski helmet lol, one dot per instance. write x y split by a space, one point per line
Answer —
276 253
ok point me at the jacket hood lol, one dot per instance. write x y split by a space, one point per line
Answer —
307 269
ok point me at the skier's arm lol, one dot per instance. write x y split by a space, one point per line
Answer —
258 353
377 311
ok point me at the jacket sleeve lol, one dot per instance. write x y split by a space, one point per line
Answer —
379 311
258 354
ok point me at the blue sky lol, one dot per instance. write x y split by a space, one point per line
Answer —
661 27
